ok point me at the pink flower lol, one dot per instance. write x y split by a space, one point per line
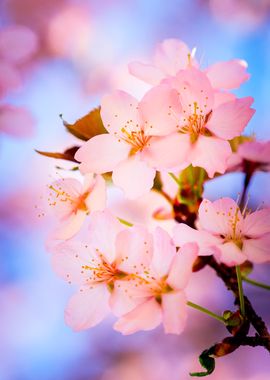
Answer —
173 55
111 253
251 155
10 78
160 294
16 121
232 235
72 202
203 125
134 148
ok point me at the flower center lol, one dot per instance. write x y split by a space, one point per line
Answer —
138 140
60 195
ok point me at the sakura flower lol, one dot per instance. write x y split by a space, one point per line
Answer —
134 148
72 202
203 127
16 121
251 156
110 254
232 235
173 55
161 293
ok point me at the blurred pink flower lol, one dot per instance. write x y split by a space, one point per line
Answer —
10 78
134 148
161 291
18 43
251 155
111 253
173 55
72 202
203 127
232 235
16 121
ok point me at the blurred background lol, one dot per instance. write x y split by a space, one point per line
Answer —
61 56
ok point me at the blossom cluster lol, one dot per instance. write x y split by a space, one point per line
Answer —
185 127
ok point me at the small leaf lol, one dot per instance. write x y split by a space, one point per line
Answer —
157 182
68 154
239 140
206 362
87 126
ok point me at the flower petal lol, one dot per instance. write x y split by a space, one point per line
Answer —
231 255
10 79
145 317
183 234
257 250
229 119
174 310
228 75
96 199
134 177
181 266
120 110
69 226
83 311
257 223
103 230
148 73
134 249
167 152
101 154
219 217
160 109
164 252
211 154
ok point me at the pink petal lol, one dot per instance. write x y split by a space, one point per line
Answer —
210 153
171 56
174 310
167 152
17 43
230 118
217 217
183 234
126 296
194 87
228 75
257 223
70 226
120 110
103 224
16 121
164 252
257 250
222 97
160 109
181 266
10 79
96 199
69 257
256 151
134 177
83 311
231 255
145 317
148 73
101 154
134 249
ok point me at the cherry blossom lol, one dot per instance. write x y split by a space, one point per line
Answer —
16 121
251 156
162 289
204 126
230 234
72 202
173 55
134 148
96 264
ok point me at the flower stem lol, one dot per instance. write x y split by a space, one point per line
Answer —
240 289
256 283
206 311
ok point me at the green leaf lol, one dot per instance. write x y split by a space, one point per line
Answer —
207 362
87 126
68 154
